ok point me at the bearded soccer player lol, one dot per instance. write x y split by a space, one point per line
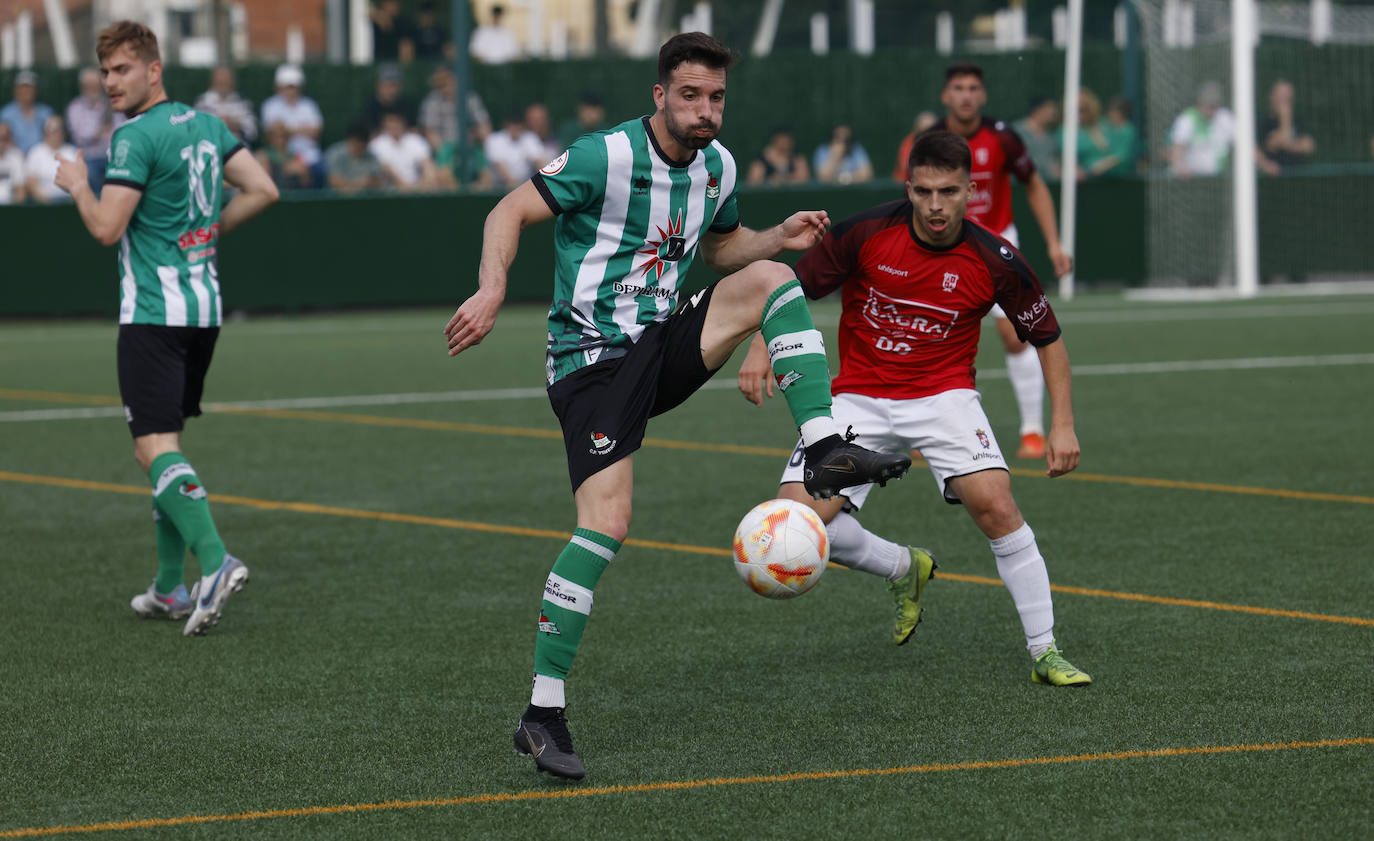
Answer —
161 204
634 203
916 278
998 153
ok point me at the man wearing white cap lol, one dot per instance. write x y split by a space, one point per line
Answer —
298 114
26 115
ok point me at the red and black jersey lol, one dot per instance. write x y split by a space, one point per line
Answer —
912 312
997 152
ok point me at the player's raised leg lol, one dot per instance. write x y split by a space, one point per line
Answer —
603 521
766 296
987 496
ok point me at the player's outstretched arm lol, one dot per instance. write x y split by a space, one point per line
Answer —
1042 208
756 372
107 217
521 208
728 253
256 190
1061 449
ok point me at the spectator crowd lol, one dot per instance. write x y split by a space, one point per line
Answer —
396 144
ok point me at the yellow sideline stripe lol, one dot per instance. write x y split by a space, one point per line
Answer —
663 443
668 444
555 534
1169 600
682 785
58 397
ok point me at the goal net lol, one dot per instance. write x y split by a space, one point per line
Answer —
1313 84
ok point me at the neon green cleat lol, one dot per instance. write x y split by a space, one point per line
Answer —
1052 668
906 592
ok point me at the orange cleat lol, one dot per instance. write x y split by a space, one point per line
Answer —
1032 446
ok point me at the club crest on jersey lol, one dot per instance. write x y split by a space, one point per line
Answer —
548 626
980 155
668 248
191 490
641 185
951 279
121 153
556 165
983 438
601 445
786 380
712 188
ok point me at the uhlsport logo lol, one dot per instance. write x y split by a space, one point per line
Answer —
548 626
786 380
951 280
983 438
556 165
191 490
601 445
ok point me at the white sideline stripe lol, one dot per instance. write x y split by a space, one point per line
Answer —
722 384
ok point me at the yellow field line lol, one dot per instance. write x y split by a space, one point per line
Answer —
669 444
554 534
662 443
58 397
681 785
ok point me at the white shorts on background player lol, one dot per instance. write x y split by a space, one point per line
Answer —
950 429
1011 236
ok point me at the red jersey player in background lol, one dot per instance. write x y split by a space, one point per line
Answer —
915 280
998 153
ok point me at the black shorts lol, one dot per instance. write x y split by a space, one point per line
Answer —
162 374
605 407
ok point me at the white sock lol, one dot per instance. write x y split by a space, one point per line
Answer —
1029 386
548 692
1023 571
818 428
856 547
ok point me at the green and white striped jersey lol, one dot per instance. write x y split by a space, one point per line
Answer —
629 223
175 156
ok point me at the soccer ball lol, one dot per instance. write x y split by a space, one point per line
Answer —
781 549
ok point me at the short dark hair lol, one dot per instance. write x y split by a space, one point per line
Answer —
692 48
359 129
139 38
963 68
940 149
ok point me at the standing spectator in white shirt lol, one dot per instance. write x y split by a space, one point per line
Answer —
11 168
299 115
405 155
223 100
513 151
41 164
494 42
1202 135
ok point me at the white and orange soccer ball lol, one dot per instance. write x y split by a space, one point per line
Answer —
781 549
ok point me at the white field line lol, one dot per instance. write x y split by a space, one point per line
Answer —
719 384
826 315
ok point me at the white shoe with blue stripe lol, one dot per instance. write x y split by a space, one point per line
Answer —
210 593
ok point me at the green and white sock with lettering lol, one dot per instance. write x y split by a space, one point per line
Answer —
797 353
564 611
181 498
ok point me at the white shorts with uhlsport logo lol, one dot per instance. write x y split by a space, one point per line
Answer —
950 429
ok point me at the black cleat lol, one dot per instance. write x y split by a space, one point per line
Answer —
543 734
834 463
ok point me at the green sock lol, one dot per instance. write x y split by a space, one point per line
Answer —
568 600
797 352
181 498
171 554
